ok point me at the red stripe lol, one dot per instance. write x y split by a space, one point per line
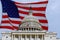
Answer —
44 28
15 22
27 8
38 14
4 16
21 17
7 27
43 2
5 21
43 21
34 8
39 9
35 14
22 12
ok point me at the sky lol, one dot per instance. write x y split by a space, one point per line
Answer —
52 15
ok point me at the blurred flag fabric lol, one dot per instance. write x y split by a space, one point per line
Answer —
14 12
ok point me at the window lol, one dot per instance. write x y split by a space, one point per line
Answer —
6 36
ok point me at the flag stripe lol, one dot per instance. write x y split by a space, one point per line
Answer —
4 16
43 24
34 11
43 21
15 22
21 17
7 27
33 8
15 19
44 27
38 14
22 12
6 21
32 5
43 2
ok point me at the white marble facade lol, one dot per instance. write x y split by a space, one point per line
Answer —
32 35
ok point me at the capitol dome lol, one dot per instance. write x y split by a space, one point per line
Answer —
30 22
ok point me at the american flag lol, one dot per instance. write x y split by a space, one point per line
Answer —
12 22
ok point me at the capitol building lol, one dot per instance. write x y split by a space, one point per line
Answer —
29 29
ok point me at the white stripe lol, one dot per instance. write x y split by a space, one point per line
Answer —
44 24
12 19
5 19
40 18
32 1
32 5
23 15
9 24
4 14
17 25
6 24
15 19
38 5
43 12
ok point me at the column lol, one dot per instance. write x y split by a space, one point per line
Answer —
30 37
12 37
42 37
19 38
25 37
35 37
